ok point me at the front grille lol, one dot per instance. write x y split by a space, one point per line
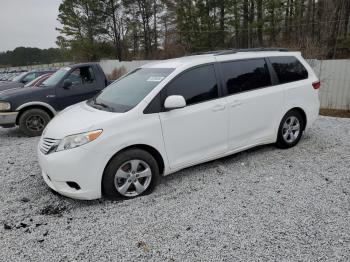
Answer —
46 144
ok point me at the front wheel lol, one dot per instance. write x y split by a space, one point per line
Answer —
130 174
290 130
33 122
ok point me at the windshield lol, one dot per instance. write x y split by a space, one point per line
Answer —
18 78
31 83
37 80
126 93
56 77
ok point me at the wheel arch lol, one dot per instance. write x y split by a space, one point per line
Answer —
149 149
302 113
43 106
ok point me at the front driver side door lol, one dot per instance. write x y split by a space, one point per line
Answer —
198 131
84 86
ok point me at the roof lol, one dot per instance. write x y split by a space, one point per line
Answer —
83 64
181 61
41 71
222 55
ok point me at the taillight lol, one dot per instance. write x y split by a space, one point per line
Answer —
316 85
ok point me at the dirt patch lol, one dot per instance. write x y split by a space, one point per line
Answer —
335 113
53 210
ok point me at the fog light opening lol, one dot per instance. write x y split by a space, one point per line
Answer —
73 185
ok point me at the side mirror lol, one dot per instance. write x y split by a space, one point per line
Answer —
67 84
173 102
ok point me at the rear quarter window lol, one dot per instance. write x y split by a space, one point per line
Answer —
288 69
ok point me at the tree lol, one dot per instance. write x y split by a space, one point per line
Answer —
116 27
153 29
28 56
166 28
83 23
260 21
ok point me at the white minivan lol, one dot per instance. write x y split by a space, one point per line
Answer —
172 114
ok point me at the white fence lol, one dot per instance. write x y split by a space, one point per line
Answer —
335 83
109 65
36 67
334 76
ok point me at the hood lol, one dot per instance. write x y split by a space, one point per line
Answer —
10 85
3 82
4 94
77 119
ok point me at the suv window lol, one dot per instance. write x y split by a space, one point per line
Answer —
56 77
82 75
288 69
196 85
245 75
75 77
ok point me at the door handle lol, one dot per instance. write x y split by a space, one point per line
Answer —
50 96
236 103
217 108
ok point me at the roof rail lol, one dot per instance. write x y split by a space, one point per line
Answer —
260 49
206 53
239 50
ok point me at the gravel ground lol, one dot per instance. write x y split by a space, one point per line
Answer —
264 204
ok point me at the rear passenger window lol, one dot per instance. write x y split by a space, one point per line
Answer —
245 75
288 69
197 85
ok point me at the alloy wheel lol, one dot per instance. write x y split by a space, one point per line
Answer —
291 129
133 178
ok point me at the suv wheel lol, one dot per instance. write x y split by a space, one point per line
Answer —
290 130
33 122
130 174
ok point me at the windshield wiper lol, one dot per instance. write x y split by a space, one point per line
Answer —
103 105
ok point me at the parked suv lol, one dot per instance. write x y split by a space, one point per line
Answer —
176 113
32 108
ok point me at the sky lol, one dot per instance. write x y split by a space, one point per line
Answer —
29 23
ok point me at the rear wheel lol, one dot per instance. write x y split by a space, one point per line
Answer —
33 122
290 130
130 174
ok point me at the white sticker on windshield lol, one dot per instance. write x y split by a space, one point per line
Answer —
155 79
67 68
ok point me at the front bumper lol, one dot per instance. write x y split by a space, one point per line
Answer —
8 118
75 165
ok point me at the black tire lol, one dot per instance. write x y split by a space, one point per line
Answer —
29 129
281 141
109 189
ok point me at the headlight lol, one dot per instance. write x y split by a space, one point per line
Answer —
73 141
5 106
